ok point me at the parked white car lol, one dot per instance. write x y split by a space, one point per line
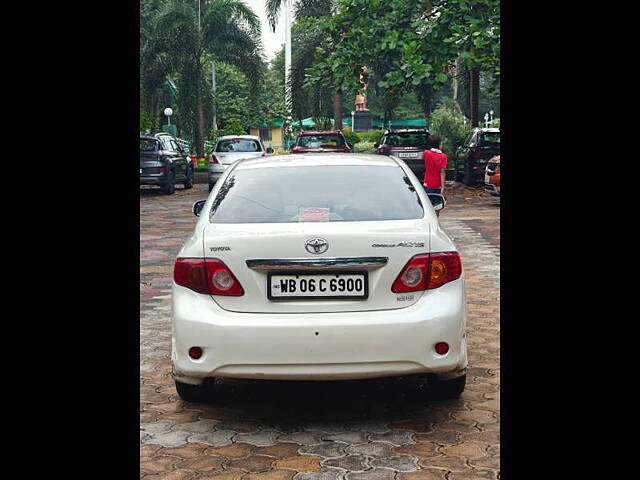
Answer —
231 148
318 267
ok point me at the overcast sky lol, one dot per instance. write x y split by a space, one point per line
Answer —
272 42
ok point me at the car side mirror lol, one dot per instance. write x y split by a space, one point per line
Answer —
437 201
198 206
269 150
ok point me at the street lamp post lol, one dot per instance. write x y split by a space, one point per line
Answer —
168 112
353 121
486 120
287 55
491 116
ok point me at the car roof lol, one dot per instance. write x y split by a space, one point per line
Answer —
320 132
406 130
317 160
227 137
488 130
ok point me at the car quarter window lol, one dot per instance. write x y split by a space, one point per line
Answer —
316 193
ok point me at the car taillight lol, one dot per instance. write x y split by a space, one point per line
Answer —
161 170
264 154
210 276
213 159
428 271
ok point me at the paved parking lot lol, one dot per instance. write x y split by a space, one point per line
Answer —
373 429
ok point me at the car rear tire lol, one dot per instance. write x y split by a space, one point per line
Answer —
194 393
467 179
448 389
188 183
169 187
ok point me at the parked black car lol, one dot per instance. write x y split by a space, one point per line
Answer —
163 162
406 144
471 159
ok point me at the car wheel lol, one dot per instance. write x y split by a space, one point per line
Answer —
188 183
448 389
194 393
169 187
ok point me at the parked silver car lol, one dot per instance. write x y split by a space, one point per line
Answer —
231 148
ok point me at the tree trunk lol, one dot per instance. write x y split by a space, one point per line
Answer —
337 111
474 96
200 129
454 86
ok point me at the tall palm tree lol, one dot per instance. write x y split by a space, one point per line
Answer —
187 32
304 58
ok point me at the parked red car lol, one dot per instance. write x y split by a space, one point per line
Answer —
329 141
492 176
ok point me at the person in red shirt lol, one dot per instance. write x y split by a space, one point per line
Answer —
435 164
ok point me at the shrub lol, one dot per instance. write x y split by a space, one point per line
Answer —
374 136
364 147
351 137
451 126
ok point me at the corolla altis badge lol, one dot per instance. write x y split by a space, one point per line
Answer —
316 245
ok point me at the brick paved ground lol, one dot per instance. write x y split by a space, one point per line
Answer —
374 429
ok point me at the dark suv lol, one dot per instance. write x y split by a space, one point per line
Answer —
163 162
407 145
471 159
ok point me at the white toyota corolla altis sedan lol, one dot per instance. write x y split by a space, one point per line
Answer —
318 267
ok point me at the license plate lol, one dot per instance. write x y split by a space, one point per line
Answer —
408 155
288 286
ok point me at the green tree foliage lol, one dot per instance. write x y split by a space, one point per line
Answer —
229 31
146 122
452 127
233 127
407 45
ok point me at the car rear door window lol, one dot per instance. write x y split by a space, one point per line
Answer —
316 193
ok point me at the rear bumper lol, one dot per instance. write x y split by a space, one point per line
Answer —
215 172
319 346
153 179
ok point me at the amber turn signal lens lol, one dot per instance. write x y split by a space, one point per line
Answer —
438 271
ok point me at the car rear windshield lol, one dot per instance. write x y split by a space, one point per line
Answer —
489 138
407 139
316 194
238 145
148 145
321 141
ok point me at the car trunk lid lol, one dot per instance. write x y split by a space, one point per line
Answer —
228 158
253 251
